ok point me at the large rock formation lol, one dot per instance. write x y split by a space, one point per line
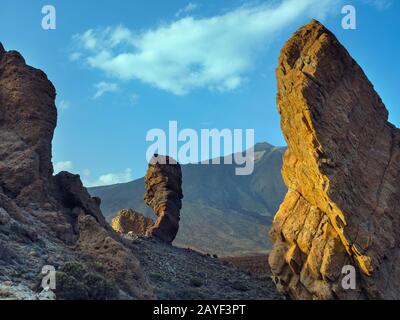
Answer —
47 220
28 118
128 220
164 194
342 170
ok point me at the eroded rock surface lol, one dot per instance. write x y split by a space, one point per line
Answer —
116 257
47 220
128 220
28 117
342 170
164 194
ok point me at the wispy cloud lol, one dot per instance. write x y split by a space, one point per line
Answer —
104 87
62 166
190 7
102 180
379 4
75 56
215 52
64 104
109 179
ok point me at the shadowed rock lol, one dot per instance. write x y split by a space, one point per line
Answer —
342 170
164 194
46 219
72 194
28 117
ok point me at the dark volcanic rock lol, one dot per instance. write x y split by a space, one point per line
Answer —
73 194
28 117
342 170
163 194
46 220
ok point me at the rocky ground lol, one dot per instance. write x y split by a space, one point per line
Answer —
255 264
171 272
177 273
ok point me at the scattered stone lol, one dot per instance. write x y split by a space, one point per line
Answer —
179 273
11 291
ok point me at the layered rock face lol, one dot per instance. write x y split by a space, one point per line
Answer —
47 220
163 193
28 118
342 170
128 220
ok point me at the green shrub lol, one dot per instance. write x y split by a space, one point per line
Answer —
74 269
69 288
75 282
100 288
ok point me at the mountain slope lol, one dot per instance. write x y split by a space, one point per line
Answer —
222 213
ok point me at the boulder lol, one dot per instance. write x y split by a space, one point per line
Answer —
342 169
128 220
70 191
117 259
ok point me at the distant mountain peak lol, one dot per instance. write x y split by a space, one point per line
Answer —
263 146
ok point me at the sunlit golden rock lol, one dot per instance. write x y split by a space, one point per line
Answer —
342 170
128 220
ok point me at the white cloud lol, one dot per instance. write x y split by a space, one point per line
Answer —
190 7
103 180
64 105
104 87
62 166
88 40
215 53
75 56
379 4
110 178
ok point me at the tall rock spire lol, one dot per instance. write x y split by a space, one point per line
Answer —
342 169
163 194
28 117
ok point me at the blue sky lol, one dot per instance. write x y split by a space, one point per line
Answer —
124 67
